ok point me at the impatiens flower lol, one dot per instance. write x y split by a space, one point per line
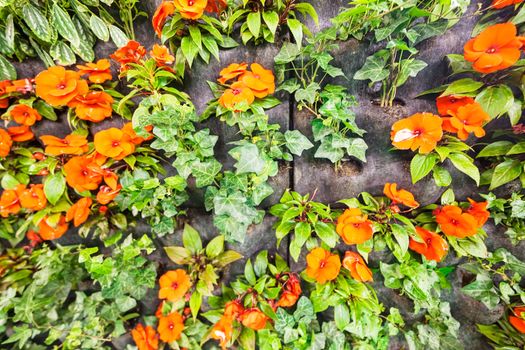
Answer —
174 285
292 292
479 211
233 309
322 266
106 194
223 331
261 81
9 201
79 212
420 131
254 318
164 10
80 176
232 71
237 94
170 327
146 338
5 143
4 84
20 133
131 53
98 72
216 6
25 115
71 144
453 222
52 228
58 86
450 104
518 321
113 143
21 85
287 299
399 196
161 55
33 238
467 119
135 139
495 48
499 4
354 263
433 247
33 197
354 227
191 9
94 106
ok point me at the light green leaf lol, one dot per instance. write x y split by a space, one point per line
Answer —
64 25
54 187
296 142
496 100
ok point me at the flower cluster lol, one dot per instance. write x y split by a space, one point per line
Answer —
133 53
457 222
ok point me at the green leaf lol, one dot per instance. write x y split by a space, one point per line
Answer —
62 54
296 28
7 70
296 142
506 172
421 165
99 27
441 176
465 164
37 22
227 258
64 25
191 239
195 303
117 35
249 274
341 316
484 291
287 54
179 255
498 148
54 187
326 233
261 263
196 36
254 23
205 172
518 148
271 18
496 100
374 69
248 158
215 247
357 148
462 86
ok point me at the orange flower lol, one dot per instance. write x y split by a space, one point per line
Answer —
161 55
95 106
22 85
9 201
237 94
216 6
49 230
354 263
97 72
71 144
33 238
79 212
261 81
421 130
58 86
453 222
96 158
145 337
518 321
478 211
499 4
465 120
137 140
25 115
495 48
164 10
114 143
5 143
399 196
322 265
223 331
354 227
33 198
253 318
287 299
4 85
20 133
233 308
447 105
232 72
170 327
80 176
191 9
433 247
174 284
106 194
131 53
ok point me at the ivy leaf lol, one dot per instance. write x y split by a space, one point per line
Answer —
287 54
205 172
296 142
327 150
484 291
357 148
308 94
248 158
374 68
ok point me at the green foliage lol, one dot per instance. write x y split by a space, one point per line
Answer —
509 213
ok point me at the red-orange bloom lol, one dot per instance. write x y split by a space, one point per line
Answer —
95 106
261 81
52 229
161 55
253 318
4 85
137 140
467 119
322 265
33 198
354 263
79 212
223 331
232 71
499 4
233 309
238 94
354 227
191 9
58 86
9 201
131 53
80 176
114 143
287 299
433 247
98 72
399 196
421 130
164 10
106 194
21 85
146 338
447 105
25 115
478 211
5 143
495 48
518 321
20 133
216 6
174 285
170 327
453 222
71 144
